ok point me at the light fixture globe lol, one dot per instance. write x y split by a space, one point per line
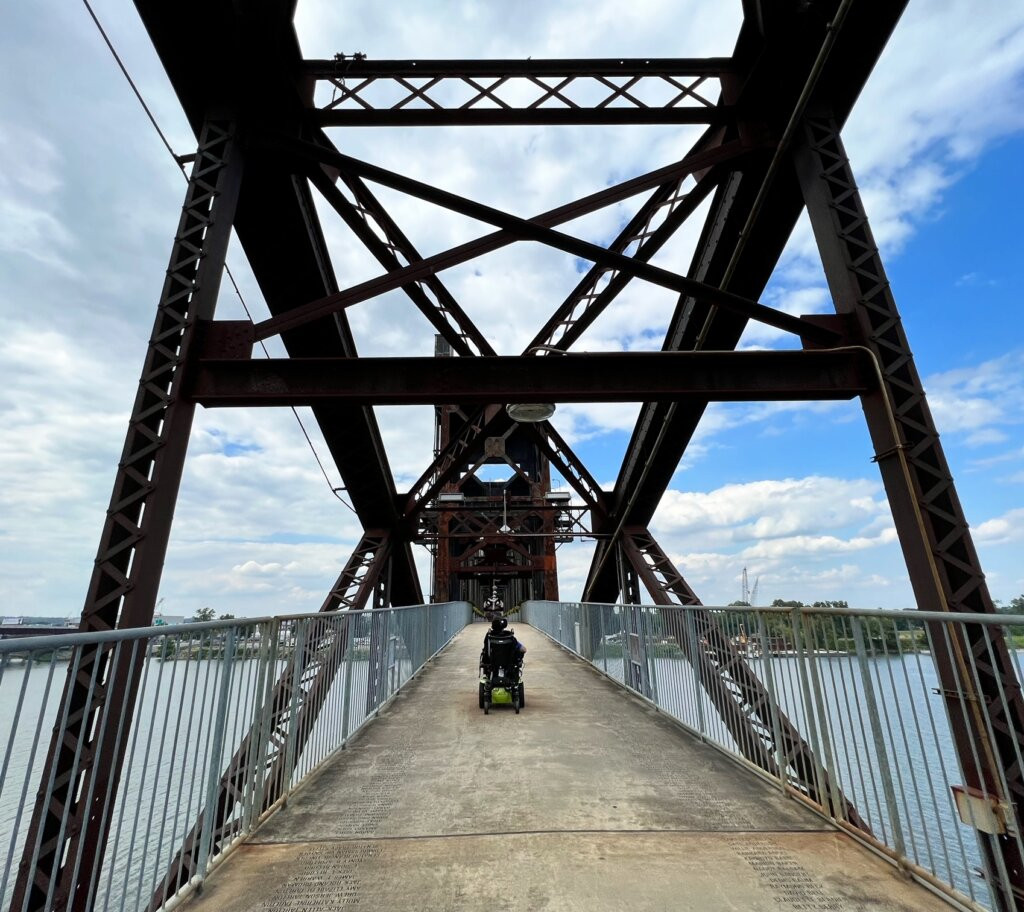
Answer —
530 412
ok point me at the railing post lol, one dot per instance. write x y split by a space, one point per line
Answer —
881 753
249 808
426 634
349 625
216 754
266 718
651 654
298 668
696 656
829 760
799 635
769 685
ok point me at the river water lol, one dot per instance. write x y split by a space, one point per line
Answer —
168 760
169 756
910 744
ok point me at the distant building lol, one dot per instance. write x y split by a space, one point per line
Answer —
160 619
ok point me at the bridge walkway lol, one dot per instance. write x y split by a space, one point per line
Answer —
587 800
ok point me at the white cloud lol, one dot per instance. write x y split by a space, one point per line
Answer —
88 204
798 535
770 509
1001 529
980 401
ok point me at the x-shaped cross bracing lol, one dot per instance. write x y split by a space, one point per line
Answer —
657 219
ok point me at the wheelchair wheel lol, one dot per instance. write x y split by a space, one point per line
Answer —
487 707
481 696
515 703
522 695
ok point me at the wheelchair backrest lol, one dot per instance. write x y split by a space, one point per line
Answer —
501 650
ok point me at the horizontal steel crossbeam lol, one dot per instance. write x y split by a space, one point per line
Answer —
510 92
586 377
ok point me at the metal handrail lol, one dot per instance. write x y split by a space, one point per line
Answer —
209 748
858 686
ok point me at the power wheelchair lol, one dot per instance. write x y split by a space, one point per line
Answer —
501 673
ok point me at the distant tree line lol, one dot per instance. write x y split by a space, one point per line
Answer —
830 632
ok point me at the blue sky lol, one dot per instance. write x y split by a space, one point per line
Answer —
88 203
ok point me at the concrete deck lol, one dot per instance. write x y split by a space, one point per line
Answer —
587 800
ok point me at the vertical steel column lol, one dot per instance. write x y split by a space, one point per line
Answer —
943 565
126 575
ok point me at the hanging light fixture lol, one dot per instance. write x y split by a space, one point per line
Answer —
530 412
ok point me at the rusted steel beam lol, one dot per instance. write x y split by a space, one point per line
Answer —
586 377
979 680
70 821
534 68
532 229
507 117
568 464
332 303
394 251
456 451
655 222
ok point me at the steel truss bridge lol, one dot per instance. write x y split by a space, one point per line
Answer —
773 112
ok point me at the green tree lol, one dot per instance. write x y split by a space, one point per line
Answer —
226 617
204 614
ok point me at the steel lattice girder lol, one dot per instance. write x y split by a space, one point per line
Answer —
943 564
469 92
70 820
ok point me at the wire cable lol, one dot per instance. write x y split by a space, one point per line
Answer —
302 427
227 269
131 82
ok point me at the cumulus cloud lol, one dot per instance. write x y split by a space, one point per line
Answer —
86 218
770 509
796 534
1002 529
980 401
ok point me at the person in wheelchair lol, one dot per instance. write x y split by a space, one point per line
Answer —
501 666
499 639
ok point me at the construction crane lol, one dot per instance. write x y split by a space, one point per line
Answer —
749 596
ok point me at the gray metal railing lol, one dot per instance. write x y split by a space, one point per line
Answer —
860 687
209 719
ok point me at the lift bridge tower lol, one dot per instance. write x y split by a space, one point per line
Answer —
495 535
269 166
